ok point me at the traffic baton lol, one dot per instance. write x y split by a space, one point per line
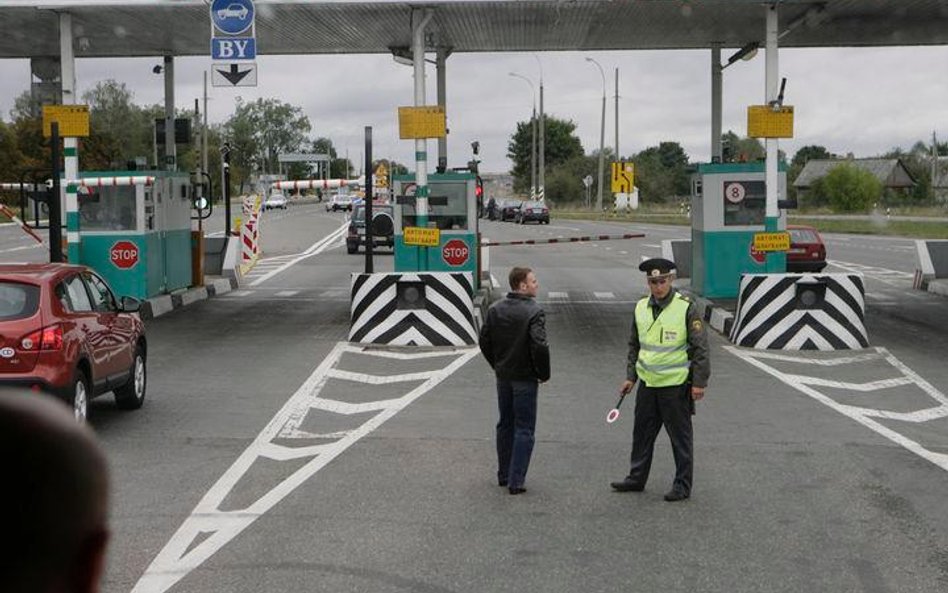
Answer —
613 414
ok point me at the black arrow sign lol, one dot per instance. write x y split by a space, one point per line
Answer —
234 76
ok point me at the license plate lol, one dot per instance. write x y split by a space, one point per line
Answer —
796 251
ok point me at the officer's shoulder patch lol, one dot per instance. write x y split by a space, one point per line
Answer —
684 298
697 325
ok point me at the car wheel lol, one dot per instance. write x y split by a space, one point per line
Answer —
350 249
131 396
79 396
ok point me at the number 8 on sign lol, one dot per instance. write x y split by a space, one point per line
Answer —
734 192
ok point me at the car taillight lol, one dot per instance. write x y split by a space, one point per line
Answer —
48 338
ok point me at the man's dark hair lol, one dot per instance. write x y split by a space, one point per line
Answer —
518 275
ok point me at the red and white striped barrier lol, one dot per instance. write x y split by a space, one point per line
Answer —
563 240
19 186
318 183
250 233
112 181
26 228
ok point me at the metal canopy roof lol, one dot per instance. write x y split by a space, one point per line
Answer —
114 28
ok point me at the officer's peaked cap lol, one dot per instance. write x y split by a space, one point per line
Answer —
657 267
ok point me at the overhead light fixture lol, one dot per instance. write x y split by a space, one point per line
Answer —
405 56
745 53
157 69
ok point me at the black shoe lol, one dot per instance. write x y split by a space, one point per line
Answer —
675 496
514 490
627 485
502 483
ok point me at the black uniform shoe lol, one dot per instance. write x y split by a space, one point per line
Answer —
675 496
520 490
502 483
627 485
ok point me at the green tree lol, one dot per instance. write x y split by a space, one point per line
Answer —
259 131
560 145
810 152
741 150
661 172
848 188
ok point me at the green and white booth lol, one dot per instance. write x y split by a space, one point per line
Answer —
728 205
452 208
137 235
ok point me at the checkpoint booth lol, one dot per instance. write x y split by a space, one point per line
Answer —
728 204
449 241
135 229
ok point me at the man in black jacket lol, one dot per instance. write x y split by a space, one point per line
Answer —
513 340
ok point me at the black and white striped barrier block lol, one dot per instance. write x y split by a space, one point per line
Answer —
406 309
932 262
801 312
562 240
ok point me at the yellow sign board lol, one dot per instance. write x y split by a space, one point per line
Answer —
765 122
421 122
381 175
623 177
772 241
73 120
416 235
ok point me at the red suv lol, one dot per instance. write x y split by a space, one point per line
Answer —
63 332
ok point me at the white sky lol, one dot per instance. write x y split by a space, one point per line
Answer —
863 101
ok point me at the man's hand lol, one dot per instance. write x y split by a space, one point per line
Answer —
626 387
697 393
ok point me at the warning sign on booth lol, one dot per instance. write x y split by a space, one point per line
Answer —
422 237
772 241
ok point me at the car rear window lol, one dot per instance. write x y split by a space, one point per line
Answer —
17 300
803 236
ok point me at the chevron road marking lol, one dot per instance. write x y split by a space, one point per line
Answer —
186 550
863 415
315 249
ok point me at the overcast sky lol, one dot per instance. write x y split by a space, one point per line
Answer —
864 101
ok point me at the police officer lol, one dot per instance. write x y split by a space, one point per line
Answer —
668 354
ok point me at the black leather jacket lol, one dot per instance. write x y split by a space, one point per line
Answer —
513 339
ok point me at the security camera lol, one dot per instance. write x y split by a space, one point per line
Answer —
156 69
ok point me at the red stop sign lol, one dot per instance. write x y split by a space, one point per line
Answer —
455 252
124 254
758 256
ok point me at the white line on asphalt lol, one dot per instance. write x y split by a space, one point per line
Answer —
286 293
315 249
651 245
557 295
22 248
860 414
604 295
493 281
240 293
188 548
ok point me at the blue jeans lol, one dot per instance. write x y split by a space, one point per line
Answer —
517 401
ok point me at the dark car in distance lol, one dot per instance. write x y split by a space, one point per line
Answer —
807 251
63 332
533 211
509 209
383 227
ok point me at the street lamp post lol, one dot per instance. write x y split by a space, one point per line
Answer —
533 140
602 135
541 193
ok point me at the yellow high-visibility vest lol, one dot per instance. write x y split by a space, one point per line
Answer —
663 343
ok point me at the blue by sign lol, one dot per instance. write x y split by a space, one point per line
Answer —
233 48
232 16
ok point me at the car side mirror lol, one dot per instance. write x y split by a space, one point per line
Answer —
130 304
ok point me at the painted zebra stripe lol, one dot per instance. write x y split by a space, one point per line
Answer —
444 318
771 314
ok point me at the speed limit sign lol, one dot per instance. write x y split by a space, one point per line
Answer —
734 192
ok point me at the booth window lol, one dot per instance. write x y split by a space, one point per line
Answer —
107 209
745 202
447 207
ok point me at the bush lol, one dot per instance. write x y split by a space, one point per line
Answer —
847 188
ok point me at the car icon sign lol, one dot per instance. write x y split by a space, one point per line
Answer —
233 11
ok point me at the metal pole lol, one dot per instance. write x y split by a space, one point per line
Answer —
70 145
541 192
55 214
170 148
441 66
204 130
716 86
225 186
421 144
533 154
776 262
602 135
618 158
369 237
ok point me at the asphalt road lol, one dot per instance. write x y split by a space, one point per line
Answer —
809 475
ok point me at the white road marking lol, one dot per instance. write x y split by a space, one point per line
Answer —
604 295
861 414
286 293
651 245
493 281
240 293
314 249
181 555
557 295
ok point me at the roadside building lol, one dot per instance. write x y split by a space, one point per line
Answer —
896 180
